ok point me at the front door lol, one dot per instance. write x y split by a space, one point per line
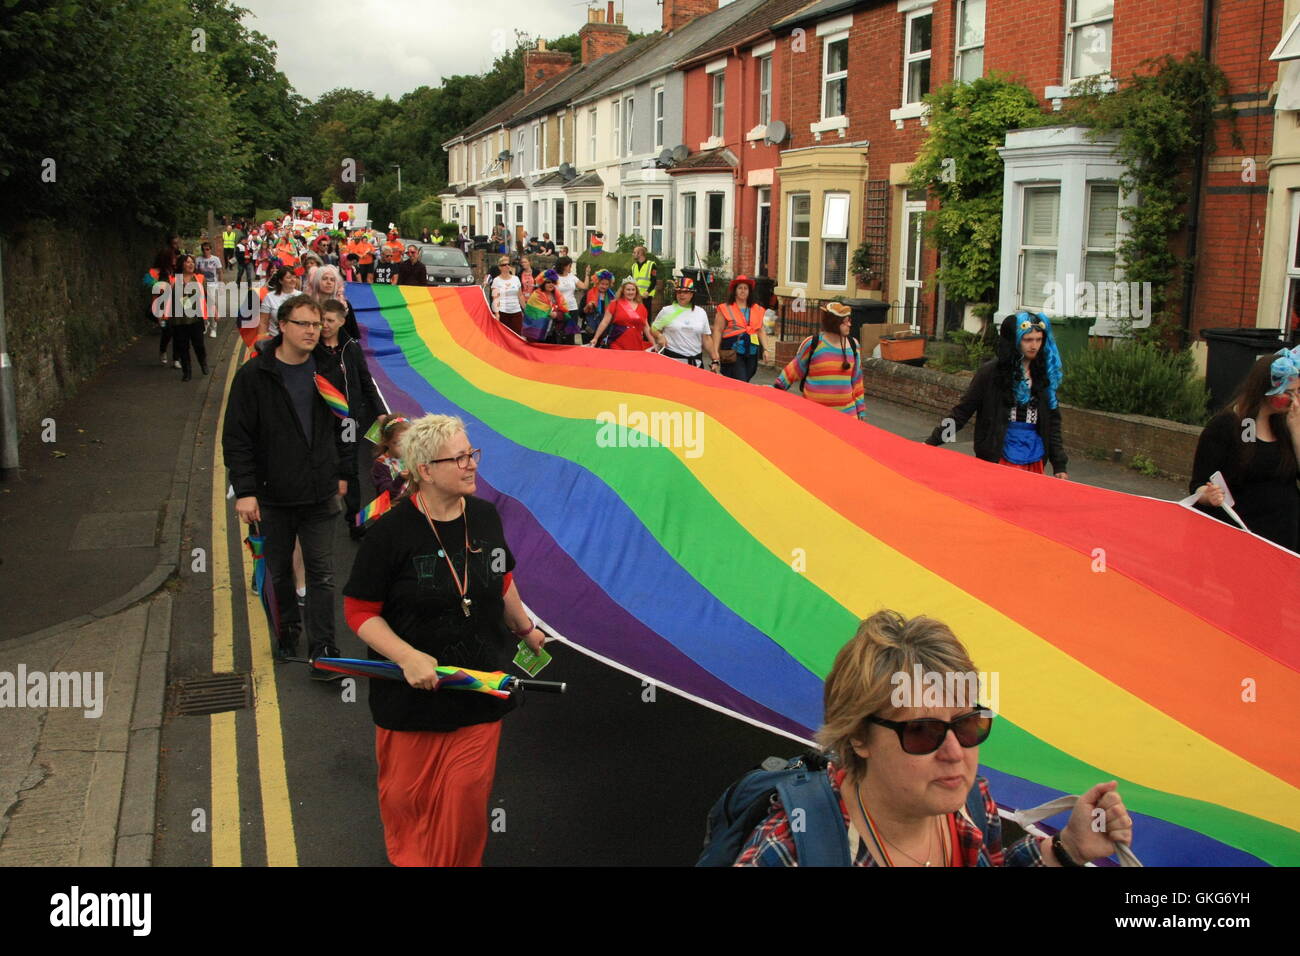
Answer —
913 249
764 227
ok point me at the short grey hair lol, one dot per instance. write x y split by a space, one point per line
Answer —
425 440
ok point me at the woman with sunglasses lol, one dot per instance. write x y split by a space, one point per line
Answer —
1259 461
827 365
432 585
902 775
1013 396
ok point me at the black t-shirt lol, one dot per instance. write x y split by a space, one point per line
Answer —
412 273
384 272
300 381
399 564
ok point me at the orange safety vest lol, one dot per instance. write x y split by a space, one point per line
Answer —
750 325
203 299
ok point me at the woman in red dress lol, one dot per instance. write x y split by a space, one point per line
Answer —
625 321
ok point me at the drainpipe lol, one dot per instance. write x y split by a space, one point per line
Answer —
1198 178
8 402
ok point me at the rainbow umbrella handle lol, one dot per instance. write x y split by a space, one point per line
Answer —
496 683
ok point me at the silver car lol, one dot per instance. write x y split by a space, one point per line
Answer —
446 266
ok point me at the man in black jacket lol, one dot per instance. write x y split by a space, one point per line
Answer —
287 454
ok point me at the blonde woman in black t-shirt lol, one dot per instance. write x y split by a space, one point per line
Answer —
432 584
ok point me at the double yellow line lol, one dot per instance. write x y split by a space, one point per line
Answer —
277 812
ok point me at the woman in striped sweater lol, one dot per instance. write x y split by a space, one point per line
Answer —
828 365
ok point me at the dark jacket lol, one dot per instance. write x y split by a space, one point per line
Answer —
993 410
364 402
266 452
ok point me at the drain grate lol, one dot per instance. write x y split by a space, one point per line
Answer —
213 695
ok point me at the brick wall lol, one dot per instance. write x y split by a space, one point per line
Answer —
1169 444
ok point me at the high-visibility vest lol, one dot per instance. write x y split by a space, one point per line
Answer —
738 323
641 273
228 239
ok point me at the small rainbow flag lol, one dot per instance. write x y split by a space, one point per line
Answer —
336 400
597 245
373 510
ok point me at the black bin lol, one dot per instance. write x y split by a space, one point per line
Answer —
765 291
866 312
1232 352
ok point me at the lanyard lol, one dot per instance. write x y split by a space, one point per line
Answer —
461 585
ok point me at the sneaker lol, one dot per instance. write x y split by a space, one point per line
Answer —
319 673
163 358
213 332
176 363
286 647
302 600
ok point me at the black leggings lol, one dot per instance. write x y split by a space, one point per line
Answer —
187 335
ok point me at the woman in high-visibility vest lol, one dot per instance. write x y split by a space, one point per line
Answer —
183 311
738 334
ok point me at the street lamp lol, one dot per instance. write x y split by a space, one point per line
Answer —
398 167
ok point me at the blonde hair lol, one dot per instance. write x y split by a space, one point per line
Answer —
425 439
340 288
861 680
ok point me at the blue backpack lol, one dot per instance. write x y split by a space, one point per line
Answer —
800 783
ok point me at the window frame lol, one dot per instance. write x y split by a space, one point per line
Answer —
591 121
721 230
1071 27
559 125
840 76
765 94
718 104
618 126
1113 250
629 125
964 51
657 97
828 239
657 244
537 147
792 239
689 224
1024 246
912 59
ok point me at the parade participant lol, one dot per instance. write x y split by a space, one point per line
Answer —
364 403
1013 397
900 776
209 266
426 235
386 270
682 329
548 247
187 314
646 274
286 251
393 244
283 285
412 271
596 303
228 239
243 260
164 267
568 285
389 473
365 251
624 325
432 584
738 335
507 297
262 254
828 365
1258 460
543 310
327 283
351 269
527 277
287 456
499 238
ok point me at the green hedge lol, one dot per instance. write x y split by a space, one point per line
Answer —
1131 378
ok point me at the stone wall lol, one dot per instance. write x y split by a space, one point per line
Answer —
1170 445
72 298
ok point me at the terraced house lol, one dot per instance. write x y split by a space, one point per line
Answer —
777 138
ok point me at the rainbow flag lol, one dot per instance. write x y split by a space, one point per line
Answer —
597 246
537 315
336 400
1133 639
370 512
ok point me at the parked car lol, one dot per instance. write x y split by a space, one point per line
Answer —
446 266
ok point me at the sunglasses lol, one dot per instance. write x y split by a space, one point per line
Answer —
926 735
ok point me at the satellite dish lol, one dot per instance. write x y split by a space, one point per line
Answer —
567 171
680 152
665 158
503 155
776 133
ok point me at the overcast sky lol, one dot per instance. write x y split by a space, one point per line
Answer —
393 46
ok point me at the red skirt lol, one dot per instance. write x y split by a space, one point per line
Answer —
1035 468
433 793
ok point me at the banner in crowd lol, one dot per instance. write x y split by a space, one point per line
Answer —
300 207
724 540
350 215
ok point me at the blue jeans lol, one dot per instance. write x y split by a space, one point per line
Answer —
744 367
313 526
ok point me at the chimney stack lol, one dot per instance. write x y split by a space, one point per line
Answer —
541 65
602 34
678 13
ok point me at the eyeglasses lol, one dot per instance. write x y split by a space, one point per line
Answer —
306 325
926 735
462 461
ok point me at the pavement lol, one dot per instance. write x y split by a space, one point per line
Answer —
101 576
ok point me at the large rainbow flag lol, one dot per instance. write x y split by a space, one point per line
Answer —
1133 639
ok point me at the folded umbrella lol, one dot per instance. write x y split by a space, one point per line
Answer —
496 683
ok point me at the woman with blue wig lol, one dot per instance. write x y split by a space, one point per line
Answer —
1013 399
1255 443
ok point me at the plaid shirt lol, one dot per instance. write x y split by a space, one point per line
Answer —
772 843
